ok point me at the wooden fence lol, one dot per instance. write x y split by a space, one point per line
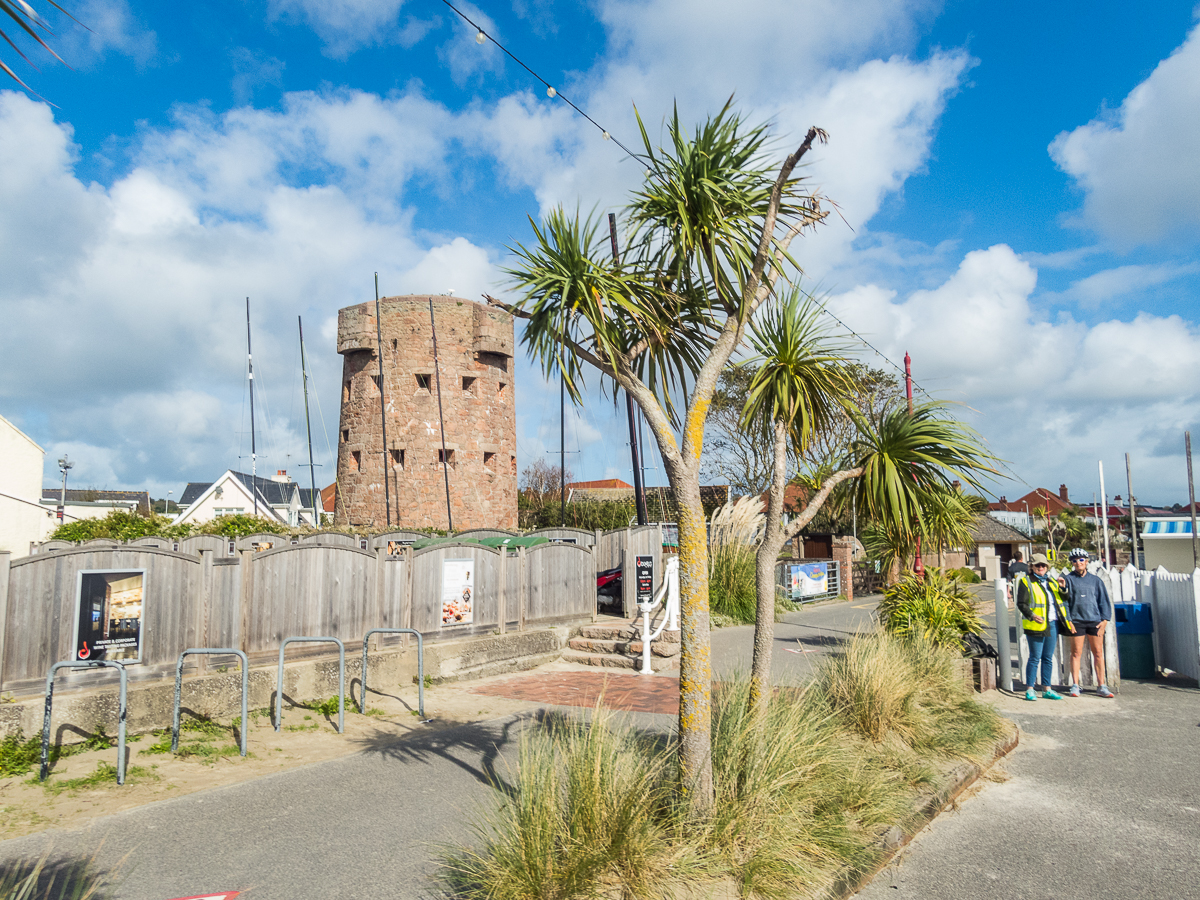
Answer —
256 598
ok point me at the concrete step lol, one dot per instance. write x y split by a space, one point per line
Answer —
623 647
624 632
610 661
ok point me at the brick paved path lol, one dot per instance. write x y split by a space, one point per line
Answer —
624 691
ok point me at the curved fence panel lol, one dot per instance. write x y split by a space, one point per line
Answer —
561 583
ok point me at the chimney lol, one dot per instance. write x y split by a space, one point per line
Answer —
1003 501
1062 493
281 476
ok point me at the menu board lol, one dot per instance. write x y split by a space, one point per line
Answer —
458 591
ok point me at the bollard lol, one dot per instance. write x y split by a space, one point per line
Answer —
1003 644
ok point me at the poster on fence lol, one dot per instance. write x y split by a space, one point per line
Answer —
810 580
108 615
458 591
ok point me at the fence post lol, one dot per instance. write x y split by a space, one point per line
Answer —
1003 645
5 557
523 582
502 594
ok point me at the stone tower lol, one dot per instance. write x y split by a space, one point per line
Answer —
475 349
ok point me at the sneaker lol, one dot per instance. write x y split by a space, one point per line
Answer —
1104 692
1051 695
1074 691
1030 695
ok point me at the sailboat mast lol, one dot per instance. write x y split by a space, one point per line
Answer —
312 472
253 447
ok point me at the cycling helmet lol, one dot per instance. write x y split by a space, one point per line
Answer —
1078 553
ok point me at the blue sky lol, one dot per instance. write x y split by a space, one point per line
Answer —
1018 181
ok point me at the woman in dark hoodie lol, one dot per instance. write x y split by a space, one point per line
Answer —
1091 610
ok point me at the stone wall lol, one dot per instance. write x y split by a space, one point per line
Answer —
475 350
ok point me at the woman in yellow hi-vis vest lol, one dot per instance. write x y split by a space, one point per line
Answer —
1044 613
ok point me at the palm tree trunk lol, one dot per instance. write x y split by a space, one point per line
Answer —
768 551
695 664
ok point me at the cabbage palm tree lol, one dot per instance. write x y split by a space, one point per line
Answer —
709 232
898 463
30 22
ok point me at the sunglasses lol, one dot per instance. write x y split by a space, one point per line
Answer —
1040 566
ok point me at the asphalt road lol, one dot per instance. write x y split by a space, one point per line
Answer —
1103 802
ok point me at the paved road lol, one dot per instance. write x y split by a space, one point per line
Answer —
1103 801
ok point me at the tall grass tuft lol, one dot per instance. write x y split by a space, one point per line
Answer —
590 803
595 809
46 880
734 530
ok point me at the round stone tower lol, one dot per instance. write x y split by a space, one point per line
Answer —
475 349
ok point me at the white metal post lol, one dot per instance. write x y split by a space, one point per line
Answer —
1003 645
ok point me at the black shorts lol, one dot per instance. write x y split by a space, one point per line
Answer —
1082 628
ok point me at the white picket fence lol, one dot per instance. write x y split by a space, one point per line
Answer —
1174 607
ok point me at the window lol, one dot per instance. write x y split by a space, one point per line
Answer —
514 465
355 460
228 511
345 435
500 392
397 459
375 378
489 460
394 344
445 456
346 392
468 383
423 382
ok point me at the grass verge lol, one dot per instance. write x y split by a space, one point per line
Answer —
594 809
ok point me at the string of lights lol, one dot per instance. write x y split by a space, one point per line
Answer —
552 92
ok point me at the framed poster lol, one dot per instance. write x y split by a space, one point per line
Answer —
108 615
458 591
644 575
395 548
810 580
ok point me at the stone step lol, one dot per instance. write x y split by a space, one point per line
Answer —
624 632
610 661
623 647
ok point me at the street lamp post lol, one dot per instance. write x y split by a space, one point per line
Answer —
65 465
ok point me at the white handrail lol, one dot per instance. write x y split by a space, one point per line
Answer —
670 593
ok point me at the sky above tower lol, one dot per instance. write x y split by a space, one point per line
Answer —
1018 194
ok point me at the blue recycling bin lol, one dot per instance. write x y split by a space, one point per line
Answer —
1135 642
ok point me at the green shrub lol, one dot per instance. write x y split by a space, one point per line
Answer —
966 575
872 685
937 606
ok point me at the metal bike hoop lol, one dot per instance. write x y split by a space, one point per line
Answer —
362 705
121 710
341 678
179 690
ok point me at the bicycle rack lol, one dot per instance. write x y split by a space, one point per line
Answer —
362 706
94 664
341 678
179 690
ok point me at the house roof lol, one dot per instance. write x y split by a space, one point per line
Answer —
273 493
329 497
1054 503
85 495
987 530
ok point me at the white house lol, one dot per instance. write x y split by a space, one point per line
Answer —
86 503
23 520
236 493
1167 542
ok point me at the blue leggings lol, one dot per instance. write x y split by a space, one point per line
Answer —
1041 649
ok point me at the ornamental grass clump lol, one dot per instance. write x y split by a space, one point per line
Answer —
589 803
803 789
938 607
734 531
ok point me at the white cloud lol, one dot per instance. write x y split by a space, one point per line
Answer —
1121 283
135 293
1054 396
344 25
110 26
1137 166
